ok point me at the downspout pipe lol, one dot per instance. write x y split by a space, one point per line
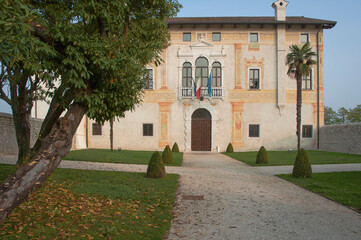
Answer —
318 87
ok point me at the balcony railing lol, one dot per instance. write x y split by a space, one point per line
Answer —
188 92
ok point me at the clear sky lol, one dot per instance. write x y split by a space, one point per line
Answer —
342 44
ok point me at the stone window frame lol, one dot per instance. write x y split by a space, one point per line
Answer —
307 131
253 33
149 83
308 38
214 34
259 77
96 129
252 132
308 79
148 129
186 35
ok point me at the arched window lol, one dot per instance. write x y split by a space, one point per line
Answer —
202 70
216 75
187 75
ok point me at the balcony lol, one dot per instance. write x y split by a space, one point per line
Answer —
188 92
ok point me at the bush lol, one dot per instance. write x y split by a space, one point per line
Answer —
302 166
167 155
156 167
230 148
175 148
262 157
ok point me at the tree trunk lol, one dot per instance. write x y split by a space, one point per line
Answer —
22 130
29 177
298 110
111 134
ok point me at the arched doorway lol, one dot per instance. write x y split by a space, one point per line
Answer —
201 130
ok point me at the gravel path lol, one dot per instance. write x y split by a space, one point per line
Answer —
242 202
221 198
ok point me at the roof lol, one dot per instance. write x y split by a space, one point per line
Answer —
251 20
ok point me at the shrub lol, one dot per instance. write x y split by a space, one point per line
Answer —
167 155
302 166
175 148
156 167
262 157
230 148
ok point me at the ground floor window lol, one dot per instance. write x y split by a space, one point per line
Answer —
307 131
253 130
147 129
97 129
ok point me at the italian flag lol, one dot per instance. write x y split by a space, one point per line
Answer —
199 83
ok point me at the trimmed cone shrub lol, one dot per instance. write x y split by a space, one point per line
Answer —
229 148
302 166
175 148
167 155
156 167
262 157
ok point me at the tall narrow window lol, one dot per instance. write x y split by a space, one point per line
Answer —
307 131
254 78
187 75
216 36
97 129
148 81
147 129
187 37
216 74
202 70
307 81
253 130
253 37
304 38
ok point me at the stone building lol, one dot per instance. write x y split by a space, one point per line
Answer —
251 101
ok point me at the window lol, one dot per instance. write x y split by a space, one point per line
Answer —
148 81
187 37
202 70
253 130
307 81
216 36
307 131
254 78
187 75
216 75
97 129
304 38
147 129
253 37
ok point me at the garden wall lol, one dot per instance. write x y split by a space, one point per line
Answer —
341 138
8 144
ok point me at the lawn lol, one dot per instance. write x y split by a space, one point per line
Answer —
124 156
341 187
93 204
279 158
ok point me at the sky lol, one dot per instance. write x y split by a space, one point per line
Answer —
342 44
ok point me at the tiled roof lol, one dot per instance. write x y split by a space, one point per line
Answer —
250 20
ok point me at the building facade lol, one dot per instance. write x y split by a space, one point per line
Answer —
246 98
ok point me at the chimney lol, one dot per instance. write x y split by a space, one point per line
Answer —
280 10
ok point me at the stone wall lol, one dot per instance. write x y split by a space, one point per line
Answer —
341 138
8 144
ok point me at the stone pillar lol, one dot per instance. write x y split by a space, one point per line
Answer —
237 111
164 116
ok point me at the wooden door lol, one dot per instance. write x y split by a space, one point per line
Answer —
201 132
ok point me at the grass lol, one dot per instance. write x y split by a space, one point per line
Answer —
280 158
341 187
93 205
124 156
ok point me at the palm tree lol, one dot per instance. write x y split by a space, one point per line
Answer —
299 62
